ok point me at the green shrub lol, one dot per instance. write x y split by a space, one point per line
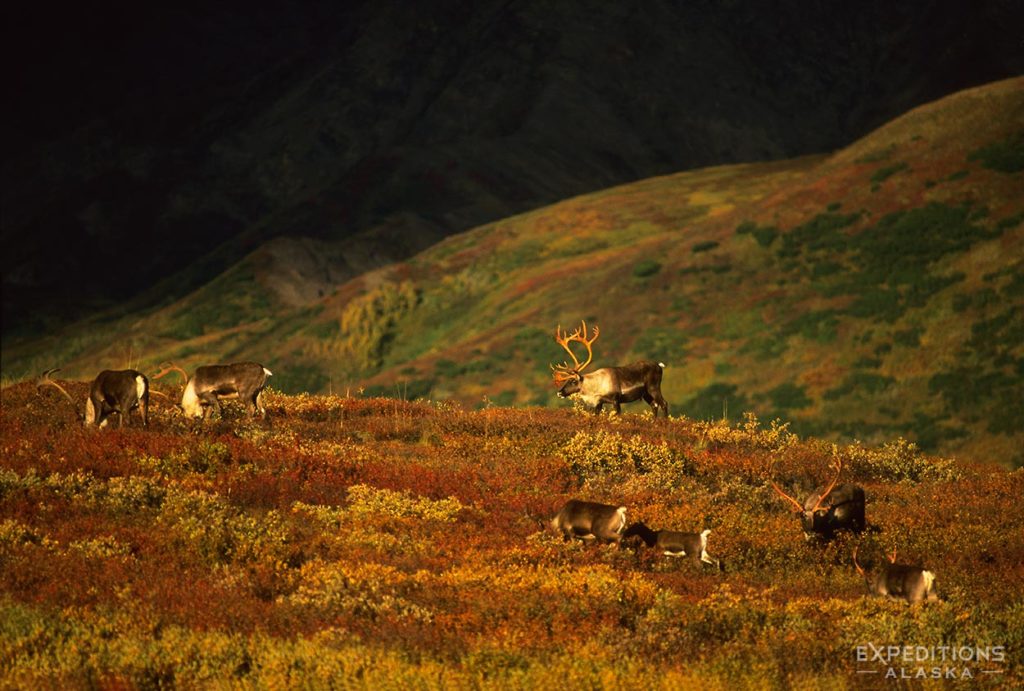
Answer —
765 235
899 461
704 246
610 455
1005 156
646 268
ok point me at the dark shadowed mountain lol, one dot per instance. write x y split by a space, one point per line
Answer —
150 149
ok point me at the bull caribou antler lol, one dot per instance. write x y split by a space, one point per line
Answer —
168 367
798 505
44 380
563 373
858 566
892 560
828 490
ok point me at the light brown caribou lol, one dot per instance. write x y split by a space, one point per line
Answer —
673 543
608 385
899 581
588 520
203 391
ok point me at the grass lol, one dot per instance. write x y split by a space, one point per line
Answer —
351 541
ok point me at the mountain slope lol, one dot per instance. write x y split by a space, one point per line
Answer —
875 292
205 134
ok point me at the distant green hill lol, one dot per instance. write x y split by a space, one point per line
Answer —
873 293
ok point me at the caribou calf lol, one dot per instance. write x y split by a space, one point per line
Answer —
829 509
608 385
899 581
203 391
589 520
112 391
675 544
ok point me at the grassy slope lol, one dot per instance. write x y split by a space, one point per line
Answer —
868 294
375 542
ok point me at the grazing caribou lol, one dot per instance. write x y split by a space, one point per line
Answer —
899 581
589 520
112 391
829 508
675 544
612 385
203 391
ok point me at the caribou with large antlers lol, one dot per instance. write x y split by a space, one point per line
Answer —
203 391
899 581
112 391
608 385
829 508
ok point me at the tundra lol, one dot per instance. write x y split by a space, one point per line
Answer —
608 385
829 508
589 520
673 543
112 391
899 581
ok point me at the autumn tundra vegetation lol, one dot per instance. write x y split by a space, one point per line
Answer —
368 542
442 538
870 293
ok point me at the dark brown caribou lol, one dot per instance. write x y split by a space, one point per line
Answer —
203 391
899 581
830 508
112 391
590 520
608 385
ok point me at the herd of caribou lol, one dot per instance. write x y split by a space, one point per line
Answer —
122 391
826 511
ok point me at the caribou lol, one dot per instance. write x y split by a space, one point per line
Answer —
589 520
673 543
112 391
899 581
608 385
203 391
829 509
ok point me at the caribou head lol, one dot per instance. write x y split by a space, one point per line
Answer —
608 385
829 508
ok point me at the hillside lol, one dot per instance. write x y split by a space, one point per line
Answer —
869 294
171 141
372 543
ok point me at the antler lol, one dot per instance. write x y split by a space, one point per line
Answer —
45 380
167 368
859 569
892 557
798 505
564 372
828 490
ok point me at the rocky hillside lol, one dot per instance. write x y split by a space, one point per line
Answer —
153 148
